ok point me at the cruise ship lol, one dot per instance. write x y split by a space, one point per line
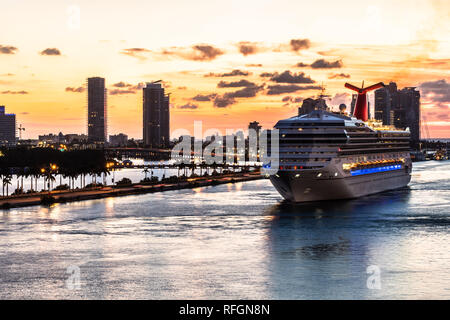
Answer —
325 155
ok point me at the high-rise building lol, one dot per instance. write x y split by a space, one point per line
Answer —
97 110
165 122
156 116
400 108
386 99
408 115
7 127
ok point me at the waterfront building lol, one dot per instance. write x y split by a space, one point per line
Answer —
386 100
8 128
97 110
156 116
75 138
52 138
408 115
165 122
118 140
62 138
400 108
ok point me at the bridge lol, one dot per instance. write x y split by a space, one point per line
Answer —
136 152
161 154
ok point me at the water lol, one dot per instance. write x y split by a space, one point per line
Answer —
236 241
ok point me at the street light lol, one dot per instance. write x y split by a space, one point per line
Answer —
51 168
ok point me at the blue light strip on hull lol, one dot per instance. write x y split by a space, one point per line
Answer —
376 170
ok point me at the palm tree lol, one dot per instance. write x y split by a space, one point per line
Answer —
145 172
1 178
6 181
50 178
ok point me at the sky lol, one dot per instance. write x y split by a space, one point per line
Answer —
225 63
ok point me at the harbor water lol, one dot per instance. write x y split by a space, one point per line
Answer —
234 241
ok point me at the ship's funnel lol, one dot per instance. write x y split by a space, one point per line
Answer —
361 111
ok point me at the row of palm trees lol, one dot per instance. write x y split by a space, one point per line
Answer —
46 163
189 170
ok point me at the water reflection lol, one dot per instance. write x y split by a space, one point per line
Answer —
233 241
326 247
378 202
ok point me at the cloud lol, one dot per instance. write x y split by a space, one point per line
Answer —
7 74
126 88
200 52
223 101
323 64
188 106
24 113
338 76
254 65
279 89
78 90
208 97
301 65
205 52
182 88
266 75
248 92
299 44
288 77
290 99
8 49
50 52
14 92
340 98
436 91
121 84
247 48
121 91
234 73
236 84
138 53
138 86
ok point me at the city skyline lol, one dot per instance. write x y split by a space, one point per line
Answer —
221 72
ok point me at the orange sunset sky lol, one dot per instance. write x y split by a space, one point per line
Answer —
224 62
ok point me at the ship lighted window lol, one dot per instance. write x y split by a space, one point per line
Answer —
375 170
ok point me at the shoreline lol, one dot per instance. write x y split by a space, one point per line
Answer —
118 191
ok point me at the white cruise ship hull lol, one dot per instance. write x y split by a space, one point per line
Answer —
307 186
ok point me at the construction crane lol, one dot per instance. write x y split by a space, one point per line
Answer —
20 128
